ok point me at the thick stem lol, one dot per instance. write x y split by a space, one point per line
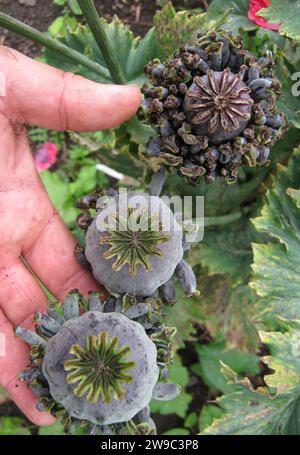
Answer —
18 27
210 221
221 220
96 25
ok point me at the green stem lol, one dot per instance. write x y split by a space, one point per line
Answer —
97 28
16 26
221 220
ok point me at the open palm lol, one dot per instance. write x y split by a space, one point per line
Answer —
30 227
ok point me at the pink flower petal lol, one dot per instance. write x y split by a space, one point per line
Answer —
45 156
254 7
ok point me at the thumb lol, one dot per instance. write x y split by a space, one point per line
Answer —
40 94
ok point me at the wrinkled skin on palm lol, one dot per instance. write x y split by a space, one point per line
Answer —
213 106
136 262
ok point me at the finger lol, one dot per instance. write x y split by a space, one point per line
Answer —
14 359
53 259
52 99
20 293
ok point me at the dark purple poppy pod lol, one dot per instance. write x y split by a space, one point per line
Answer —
218 105
219 95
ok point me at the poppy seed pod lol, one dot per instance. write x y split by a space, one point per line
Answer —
128 363
138 250
213 107
98 368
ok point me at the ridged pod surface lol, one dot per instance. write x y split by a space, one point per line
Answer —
138 392
161 249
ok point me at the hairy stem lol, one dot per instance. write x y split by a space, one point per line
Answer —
96 25
18 27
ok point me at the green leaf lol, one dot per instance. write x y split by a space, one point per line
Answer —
265 412
13 426
209 413
183 314
177 432
285 348
75 8
179 406
131 53
228 311
209 366
174 29
288 102
139 132
276 264
236 319
286 13
86 180
59 192
247 412
53 430
238 18
284 359
141 52
191 420
56 26
227 250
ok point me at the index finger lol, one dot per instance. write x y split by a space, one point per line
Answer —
40 94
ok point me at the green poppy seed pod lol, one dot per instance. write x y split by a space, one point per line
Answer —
139 251
101 367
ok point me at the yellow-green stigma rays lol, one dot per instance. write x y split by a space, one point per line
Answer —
135 241
100 369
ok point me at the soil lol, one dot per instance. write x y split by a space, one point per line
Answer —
135 13
39 16
138 15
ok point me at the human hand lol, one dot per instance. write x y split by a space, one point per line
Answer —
29 224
